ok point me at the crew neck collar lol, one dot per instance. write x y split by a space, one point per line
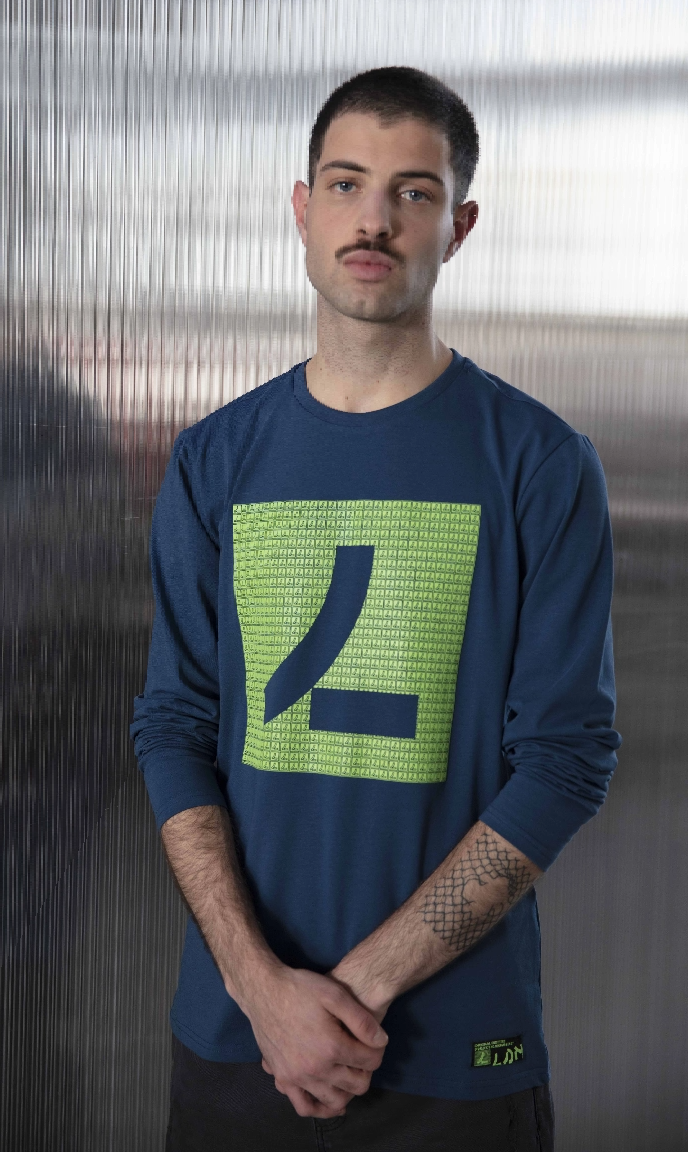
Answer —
379 415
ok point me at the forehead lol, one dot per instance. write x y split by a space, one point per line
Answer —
409 143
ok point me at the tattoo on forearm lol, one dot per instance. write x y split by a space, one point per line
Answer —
450 909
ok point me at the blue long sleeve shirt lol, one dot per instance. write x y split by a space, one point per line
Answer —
372 630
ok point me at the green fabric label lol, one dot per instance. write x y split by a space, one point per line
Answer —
497 1053
406 638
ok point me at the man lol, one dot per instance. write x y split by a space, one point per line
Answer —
380 690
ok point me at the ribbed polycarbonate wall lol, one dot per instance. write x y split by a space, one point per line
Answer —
150 270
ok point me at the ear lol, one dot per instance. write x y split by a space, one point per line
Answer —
300 199
464 220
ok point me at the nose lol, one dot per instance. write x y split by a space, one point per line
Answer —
374 218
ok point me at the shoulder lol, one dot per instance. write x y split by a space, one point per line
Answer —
207 456
514 406
225 429
537 442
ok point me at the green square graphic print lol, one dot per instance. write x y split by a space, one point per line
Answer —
352 615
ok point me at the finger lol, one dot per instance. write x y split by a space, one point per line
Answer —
353 1054
360 1022
307 1105
326 1093
300 1100
351 1080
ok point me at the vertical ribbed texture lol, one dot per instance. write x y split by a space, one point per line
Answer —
150 270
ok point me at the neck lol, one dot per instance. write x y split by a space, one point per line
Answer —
360 366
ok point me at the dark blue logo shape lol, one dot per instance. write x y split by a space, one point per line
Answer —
339 710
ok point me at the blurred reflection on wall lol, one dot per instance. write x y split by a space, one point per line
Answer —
150 271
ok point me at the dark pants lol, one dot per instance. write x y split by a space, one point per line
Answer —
237 1108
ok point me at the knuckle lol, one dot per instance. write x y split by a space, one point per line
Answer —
326 1095
339 1000
357 1082
299 1102
369 1024
335 993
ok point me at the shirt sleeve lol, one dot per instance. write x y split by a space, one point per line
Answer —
175 727
558 741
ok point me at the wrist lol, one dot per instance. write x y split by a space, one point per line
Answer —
251 976
374 994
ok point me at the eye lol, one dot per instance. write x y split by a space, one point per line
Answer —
416 192
339 184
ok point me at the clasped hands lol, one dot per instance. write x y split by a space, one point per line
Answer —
320 1037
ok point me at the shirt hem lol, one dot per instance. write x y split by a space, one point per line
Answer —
444 1089
440 1087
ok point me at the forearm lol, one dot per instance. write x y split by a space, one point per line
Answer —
200 848
469 892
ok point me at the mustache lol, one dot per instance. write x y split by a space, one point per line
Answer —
370 246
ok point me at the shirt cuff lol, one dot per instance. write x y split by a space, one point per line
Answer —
176 782
535 819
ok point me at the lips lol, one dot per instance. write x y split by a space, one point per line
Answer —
368 266
362 257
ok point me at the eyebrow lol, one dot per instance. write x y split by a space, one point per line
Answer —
350 166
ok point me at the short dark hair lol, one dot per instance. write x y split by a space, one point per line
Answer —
394 94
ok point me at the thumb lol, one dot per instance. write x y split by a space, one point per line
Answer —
360 1022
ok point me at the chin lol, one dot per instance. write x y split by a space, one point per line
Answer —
348 302
361 308
375 315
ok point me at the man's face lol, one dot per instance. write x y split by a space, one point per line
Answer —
384 194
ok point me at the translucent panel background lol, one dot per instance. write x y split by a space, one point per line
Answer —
149 272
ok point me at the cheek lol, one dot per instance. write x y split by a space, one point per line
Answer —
314 253
323 223
319 262
321 237
425 257
426 245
